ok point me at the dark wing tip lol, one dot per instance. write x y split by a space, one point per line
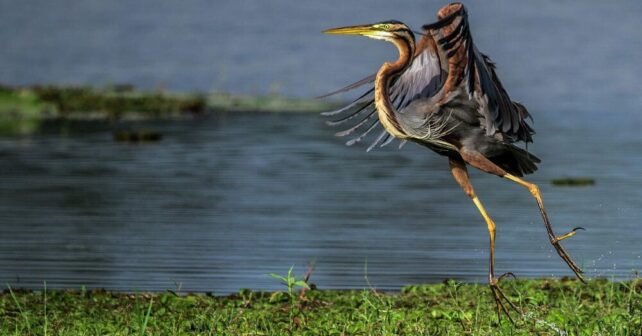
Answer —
446 16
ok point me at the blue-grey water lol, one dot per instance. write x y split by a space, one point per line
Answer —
224 200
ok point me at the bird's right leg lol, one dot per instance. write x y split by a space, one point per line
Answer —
460 173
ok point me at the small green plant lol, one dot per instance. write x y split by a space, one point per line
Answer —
143 328
291 282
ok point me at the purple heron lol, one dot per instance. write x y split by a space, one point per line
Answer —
444 94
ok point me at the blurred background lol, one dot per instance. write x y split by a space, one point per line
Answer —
232 174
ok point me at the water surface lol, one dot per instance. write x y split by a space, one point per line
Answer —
221 202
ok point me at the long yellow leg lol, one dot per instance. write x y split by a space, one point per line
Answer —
460 173
479 161
555 240
491 232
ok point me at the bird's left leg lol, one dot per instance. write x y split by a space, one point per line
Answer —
479 161
555 240
460 173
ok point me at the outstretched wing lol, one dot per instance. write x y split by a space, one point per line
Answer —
466 64
423 78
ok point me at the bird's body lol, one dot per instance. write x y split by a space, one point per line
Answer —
446 103
444 94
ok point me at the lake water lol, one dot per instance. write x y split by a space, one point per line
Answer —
222 201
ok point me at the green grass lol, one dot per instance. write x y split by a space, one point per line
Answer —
552 306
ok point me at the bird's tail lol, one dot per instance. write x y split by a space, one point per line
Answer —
516 161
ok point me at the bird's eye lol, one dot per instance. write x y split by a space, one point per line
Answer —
386 26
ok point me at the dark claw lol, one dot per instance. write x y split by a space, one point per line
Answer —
500 297
510 274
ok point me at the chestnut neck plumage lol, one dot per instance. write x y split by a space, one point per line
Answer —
388 71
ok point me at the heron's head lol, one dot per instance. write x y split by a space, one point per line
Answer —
390 31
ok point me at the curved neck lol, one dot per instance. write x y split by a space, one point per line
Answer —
386 112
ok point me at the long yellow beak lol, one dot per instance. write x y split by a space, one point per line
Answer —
351 30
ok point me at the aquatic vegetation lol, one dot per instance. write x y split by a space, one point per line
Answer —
124 101
573 181
267 103
137 136
553 307
21 111
118 102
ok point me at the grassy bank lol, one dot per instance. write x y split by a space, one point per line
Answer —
22 109
552 307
